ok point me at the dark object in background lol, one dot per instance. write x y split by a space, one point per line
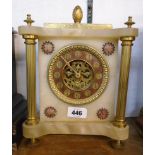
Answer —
14 83
19 105
139 122
19 115
89 11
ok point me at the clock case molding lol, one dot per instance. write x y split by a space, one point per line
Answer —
117 128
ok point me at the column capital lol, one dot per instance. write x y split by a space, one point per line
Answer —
30 39
30 36
127 38
127 41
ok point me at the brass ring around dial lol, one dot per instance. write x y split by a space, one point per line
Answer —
78 74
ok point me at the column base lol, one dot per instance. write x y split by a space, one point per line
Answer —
120 123
32 121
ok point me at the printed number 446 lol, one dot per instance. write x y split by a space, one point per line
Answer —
77 112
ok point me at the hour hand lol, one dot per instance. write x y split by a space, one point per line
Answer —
86 74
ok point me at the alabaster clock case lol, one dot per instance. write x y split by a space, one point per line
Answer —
77 78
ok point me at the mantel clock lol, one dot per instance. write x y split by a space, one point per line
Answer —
77 78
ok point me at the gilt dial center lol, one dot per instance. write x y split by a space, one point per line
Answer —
78 75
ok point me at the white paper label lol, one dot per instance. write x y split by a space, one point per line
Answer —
76 112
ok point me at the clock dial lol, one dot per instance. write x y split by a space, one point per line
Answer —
78 74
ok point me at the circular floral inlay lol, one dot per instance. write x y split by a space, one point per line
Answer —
47 47
108 48
50 112
102 113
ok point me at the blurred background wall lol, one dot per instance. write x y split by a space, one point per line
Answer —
114 12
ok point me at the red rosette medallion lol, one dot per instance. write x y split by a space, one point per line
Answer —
108 48
50 112
102 113
47 47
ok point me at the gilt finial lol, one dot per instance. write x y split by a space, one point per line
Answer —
77 14
28 20
129 23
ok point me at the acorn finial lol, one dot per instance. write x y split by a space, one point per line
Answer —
129 23
77 14
28 20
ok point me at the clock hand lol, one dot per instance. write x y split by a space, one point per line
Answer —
86 74
67 63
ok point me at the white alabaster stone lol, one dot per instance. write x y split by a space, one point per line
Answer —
82 128
48 98
78 32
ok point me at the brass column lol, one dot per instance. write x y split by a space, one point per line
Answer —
31 74
123 78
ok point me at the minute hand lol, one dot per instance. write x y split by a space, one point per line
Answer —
67 63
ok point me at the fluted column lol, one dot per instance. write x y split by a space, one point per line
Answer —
123 81
31 78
